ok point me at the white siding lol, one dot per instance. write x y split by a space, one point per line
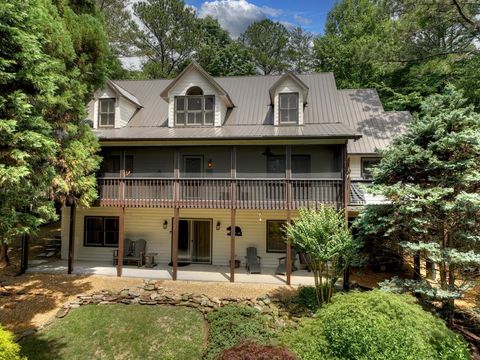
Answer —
288 86
148 224
355 167
194 78
124 109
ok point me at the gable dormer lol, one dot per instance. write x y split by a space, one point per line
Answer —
112 107
195 99
288 97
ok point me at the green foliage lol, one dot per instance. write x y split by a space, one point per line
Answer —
267 41
375 325
431 176
231 325
52 58
406 49
324 235
307 296
167 36
9 349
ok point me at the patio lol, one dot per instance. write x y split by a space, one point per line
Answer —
192 272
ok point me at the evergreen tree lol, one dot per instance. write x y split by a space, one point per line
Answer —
431 179
52 56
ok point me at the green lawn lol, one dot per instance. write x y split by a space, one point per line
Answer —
121 332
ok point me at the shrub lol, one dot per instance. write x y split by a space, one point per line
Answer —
9 350
254 351
375 325
307 296
231 325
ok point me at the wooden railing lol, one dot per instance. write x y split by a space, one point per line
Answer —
215 193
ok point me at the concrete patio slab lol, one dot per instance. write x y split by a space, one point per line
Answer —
192 272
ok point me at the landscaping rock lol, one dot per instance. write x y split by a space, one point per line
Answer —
62 312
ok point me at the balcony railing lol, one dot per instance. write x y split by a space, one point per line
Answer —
216 193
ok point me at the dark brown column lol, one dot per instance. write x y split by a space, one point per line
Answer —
71 237
233 210
288 159
345 202
176 213
121 240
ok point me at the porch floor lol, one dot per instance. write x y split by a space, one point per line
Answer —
192 272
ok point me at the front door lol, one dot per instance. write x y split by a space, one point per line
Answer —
195 241
192 166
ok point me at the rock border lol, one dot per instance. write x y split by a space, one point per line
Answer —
153 293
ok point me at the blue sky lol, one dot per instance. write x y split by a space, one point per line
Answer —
236 15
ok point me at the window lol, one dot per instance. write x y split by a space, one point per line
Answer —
195 110
367 164
276 236
101 231
288 110
111 165
106 112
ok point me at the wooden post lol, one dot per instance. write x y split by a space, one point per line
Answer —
71 237
121 238
233 210
288 174
176 213
345 201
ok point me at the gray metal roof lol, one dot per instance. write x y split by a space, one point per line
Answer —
329 112
336 130
121 91
362 110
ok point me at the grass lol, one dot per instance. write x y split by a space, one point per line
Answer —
121 332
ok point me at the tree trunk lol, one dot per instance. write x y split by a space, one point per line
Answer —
447 280
416 266
430 267
4 260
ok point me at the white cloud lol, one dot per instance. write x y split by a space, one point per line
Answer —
236 15
302 20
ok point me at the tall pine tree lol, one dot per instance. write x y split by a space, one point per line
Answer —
431 178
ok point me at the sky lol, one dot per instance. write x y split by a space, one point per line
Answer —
236 15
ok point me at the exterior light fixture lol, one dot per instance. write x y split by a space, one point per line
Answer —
210 164
218 225
259 216
165 224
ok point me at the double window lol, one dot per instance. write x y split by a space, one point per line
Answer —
195 110
106 112
111 165
276 239
288 109
101 231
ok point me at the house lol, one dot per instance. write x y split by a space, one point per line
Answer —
188 159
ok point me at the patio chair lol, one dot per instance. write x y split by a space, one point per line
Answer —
127 249
305 259
135 252
253 260
282 263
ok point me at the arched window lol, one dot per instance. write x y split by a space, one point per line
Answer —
195 90
195 108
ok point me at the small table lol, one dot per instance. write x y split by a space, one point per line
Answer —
150 260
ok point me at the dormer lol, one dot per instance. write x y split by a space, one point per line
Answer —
195 99
288 97
112 107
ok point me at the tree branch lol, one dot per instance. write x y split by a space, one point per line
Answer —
476 25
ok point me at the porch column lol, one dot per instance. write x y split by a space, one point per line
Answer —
71 236
176 212
121 220
25 250
121 240
345 202
233 210
288 158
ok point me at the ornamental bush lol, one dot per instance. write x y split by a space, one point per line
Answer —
9 350
375 325
254 351
233 324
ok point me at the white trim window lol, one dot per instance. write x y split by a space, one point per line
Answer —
288 108
195 110
106 112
